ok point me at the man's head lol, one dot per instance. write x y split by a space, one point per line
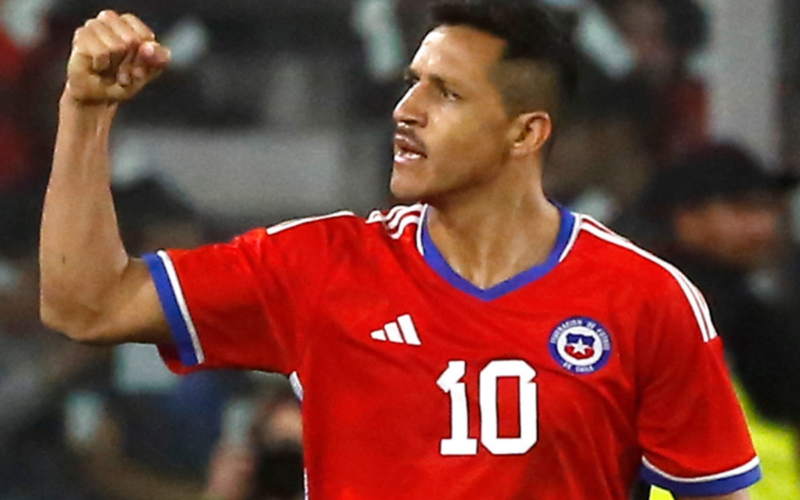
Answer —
722 205
485 86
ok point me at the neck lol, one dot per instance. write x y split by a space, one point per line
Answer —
490 237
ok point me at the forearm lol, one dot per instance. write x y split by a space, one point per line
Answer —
81 252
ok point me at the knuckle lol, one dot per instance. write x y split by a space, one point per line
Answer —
107 14
118 49
127 39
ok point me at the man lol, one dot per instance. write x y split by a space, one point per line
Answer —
481 344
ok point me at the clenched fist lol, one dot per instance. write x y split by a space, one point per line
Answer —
113 58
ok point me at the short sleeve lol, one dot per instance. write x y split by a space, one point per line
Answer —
692 430
235 305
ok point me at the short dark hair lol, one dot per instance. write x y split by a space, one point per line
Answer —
532 35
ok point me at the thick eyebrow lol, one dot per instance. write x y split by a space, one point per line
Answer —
437 80
410 74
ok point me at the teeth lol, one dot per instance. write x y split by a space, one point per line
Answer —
408 155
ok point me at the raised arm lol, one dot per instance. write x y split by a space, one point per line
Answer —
91 290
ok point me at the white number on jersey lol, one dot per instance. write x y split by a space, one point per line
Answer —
459 442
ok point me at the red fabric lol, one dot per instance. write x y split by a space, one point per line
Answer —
684 112
12 60
312 297
13 156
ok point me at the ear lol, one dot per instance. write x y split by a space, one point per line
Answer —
530 133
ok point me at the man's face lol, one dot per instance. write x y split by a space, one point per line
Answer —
739 232
452 130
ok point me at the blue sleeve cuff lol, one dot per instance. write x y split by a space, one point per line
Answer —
717 484
175 308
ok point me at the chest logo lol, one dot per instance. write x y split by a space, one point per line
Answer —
401 331
580 345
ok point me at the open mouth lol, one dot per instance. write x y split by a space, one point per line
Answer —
407 149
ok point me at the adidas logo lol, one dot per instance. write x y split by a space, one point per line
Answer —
401 331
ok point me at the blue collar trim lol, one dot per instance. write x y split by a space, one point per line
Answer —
435 259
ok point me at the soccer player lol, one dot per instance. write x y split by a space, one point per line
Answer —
480 342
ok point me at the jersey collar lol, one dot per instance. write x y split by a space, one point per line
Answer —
436 261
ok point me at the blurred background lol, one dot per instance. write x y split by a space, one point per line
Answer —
685 138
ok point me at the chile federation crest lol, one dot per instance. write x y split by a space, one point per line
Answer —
580 345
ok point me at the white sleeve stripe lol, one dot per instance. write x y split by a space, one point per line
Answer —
701 316
692 295
283 226
598 225
181 300
706 312
297 386
752 464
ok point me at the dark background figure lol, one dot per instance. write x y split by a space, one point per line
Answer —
268 463
722 220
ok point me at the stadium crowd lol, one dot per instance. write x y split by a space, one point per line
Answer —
635 151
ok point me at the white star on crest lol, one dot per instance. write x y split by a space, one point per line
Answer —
579 347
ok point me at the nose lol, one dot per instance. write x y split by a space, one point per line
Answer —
410 110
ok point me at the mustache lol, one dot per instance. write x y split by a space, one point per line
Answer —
409 134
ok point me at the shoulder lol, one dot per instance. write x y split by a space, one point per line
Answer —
396 223
598 245
651 280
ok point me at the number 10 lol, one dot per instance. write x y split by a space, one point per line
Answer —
459 442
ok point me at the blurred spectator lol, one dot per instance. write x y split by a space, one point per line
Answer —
152 438
37 371
721 215
671 101
29 50
268 464
630 119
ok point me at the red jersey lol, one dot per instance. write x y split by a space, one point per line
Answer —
564 382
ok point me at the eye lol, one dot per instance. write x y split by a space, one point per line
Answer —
449 94
410 81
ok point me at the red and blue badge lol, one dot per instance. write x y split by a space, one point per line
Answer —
580 345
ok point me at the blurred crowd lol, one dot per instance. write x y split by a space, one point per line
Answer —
633 151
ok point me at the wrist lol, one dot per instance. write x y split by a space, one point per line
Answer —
69 100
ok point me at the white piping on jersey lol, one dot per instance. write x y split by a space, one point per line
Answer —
752 464
283 226
576 230
297 386
698 305
404 223
402 214
701 301
422 218
392 218
378 216
181 300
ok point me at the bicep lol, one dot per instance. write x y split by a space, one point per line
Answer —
134 312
